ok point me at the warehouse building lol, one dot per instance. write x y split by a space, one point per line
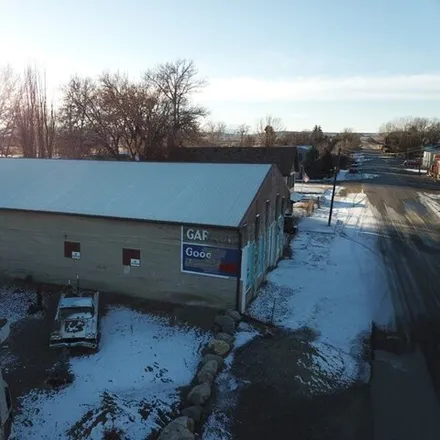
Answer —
193 233
285 158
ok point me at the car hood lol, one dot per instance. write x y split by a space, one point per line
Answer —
76 328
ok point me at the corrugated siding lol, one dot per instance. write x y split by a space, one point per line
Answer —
209 194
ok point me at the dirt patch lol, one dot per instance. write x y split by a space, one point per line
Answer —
178 314
276 398
32 361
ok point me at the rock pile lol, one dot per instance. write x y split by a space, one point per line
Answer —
191 415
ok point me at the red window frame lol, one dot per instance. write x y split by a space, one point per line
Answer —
71 246
129 254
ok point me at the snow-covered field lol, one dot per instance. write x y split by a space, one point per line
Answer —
127 386
334 284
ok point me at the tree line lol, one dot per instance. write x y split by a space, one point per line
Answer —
105 115
113 114
409 135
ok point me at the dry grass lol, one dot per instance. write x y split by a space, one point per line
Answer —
307 205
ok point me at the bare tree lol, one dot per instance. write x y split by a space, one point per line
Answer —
89 109
75 136
249 140
410 134
350 141
114 114
177 82
215 133
34 118
242 131
8 91
268 130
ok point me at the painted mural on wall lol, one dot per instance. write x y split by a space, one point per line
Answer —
261 255
210 252
250 269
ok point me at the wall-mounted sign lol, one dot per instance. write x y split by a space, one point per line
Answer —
134 262
76 255
210 252
212 236
210 260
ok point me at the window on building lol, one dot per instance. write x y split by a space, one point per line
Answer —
72 250
257 226
131 257
283 205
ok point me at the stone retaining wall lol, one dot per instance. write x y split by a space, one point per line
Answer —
194 405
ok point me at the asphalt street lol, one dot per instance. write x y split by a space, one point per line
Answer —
405 387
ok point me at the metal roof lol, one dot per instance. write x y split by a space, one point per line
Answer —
197 193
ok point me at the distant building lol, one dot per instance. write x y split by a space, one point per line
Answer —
285 158
429 155
194 233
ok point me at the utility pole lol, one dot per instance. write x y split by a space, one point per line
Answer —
334 187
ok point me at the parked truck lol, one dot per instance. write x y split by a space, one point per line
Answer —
5 396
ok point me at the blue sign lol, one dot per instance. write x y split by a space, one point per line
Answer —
210 260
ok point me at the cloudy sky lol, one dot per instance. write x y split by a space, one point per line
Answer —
338 63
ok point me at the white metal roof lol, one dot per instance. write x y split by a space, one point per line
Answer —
198 193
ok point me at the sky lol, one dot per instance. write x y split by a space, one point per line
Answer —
336 63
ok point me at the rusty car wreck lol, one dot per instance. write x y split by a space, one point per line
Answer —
76 321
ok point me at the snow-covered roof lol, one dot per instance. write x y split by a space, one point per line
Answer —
80 301
197 193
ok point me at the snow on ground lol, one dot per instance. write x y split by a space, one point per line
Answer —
128 384
334 283
218 423
345 175
14 303
416 170
432 201
4 331
360 157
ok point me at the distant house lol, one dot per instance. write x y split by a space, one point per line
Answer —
285 158
429 155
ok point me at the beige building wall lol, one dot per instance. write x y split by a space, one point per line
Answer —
33 244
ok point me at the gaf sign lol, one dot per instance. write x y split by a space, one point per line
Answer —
210 252
197 234
194 234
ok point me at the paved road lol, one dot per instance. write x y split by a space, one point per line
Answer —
405 389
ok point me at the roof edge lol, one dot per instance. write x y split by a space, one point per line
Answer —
103 217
